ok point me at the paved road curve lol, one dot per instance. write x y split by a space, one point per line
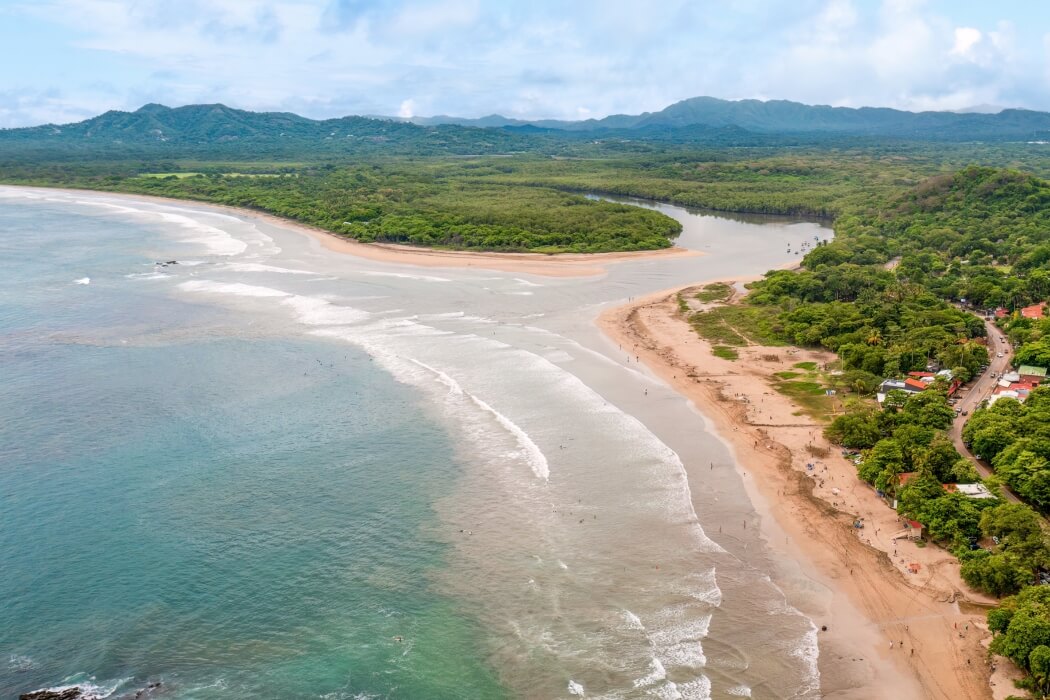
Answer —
980 390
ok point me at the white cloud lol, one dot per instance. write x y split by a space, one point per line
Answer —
407 110
966 38
542 58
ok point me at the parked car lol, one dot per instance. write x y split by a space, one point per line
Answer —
998 354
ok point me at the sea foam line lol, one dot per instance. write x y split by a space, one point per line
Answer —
534 455
404 275
259 267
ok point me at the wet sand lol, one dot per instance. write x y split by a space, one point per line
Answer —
889 634
559 265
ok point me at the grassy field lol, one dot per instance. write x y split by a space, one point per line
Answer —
717 291
737 326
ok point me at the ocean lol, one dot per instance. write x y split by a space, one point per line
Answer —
271 470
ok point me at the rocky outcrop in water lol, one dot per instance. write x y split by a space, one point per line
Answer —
76 693
73 693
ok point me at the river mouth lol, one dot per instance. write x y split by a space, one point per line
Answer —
705 229
569 551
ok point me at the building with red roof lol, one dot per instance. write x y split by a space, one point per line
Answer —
1033 311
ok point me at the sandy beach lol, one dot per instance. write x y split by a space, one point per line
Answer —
559 265
920 635
889 632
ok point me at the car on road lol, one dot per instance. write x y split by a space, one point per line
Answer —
998 354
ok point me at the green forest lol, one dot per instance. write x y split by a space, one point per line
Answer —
901 286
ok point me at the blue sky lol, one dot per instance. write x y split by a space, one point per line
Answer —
64 60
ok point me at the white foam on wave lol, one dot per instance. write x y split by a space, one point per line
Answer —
740 691
383 339
531 451
575 688
657 673
604 359
315 311
808 652
807 648
259 267
558 356
234 288
310 311
702 586
453 386
90 688
569 387
695 689
215 240
147 276
107 205
405 275
82 280
534 455
633 621
20 663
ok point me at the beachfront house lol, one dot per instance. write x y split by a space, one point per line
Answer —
913 528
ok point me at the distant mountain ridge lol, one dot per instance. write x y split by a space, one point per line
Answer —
156 129
783 116
211 123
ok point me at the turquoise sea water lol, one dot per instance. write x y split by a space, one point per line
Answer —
275 471
192 497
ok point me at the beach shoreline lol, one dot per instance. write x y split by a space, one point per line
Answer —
553 265
874 610
868 609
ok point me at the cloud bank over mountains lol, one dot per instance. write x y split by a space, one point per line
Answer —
69 59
